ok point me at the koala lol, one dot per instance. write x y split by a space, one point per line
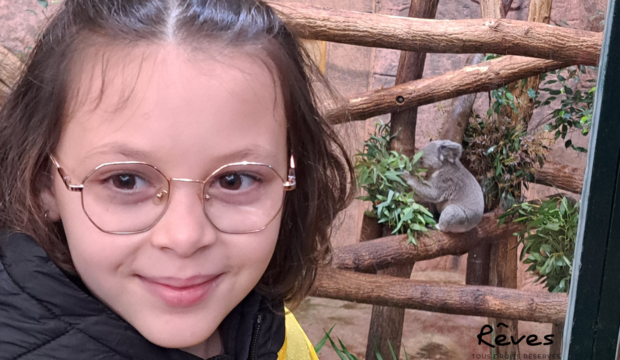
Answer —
454 190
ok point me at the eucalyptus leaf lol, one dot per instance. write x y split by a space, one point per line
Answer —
379 172
417 156
549 239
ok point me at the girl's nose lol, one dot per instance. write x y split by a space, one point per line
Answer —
184 229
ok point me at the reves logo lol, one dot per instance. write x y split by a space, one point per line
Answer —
500 340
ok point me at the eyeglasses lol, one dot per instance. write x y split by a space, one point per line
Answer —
130 197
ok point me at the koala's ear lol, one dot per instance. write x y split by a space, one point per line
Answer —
450 151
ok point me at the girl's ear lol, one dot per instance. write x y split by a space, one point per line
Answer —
50 205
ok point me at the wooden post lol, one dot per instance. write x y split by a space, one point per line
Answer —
491 9
477 272
460 110
539 11
555 351
386 323
503 273
503 254
503 267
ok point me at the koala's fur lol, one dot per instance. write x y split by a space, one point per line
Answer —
453 189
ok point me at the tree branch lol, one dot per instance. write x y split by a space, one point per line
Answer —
498 36
542 307
487 76
393 250
563 177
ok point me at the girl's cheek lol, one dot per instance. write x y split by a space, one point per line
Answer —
256 251
102 260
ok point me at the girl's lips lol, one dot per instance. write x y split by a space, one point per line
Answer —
176 292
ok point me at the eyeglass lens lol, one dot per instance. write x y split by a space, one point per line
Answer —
126 198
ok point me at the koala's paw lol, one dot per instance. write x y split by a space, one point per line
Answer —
438 227
407 176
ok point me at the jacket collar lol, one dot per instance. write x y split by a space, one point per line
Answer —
251 331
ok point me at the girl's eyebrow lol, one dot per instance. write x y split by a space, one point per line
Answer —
249 153
117 148
253 152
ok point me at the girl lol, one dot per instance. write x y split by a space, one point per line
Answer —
166 185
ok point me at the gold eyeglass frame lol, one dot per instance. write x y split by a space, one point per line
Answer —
288 185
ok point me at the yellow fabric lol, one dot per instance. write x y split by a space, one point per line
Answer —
296 344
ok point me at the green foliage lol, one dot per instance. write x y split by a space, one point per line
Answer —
321 343
576 100
575 111
44 4
502 97
378 173
548 238
502 156
344 354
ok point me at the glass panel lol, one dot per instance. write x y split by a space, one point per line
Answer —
593 322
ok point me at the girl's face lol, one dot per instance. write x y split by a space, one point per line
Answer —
187 116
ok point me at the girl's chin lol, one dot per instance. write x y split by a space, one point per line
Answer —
178 337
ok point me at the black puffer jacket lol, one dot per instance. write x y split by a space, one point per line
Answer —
46 315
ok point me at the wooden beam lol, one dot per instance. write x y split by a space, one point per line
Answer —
487 76
10 67
563 177
4 92
393 250
498 36
537 306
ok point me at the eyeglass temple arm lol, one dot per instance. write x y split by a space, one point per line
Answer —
291 183
65 177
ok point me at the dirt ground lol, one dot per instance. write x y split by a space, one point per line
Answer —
426 335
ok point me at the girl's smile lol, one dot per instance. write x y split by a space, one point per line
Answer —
180 292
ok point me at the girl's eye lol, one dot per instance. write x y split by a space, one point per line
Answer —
127 181
236 181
